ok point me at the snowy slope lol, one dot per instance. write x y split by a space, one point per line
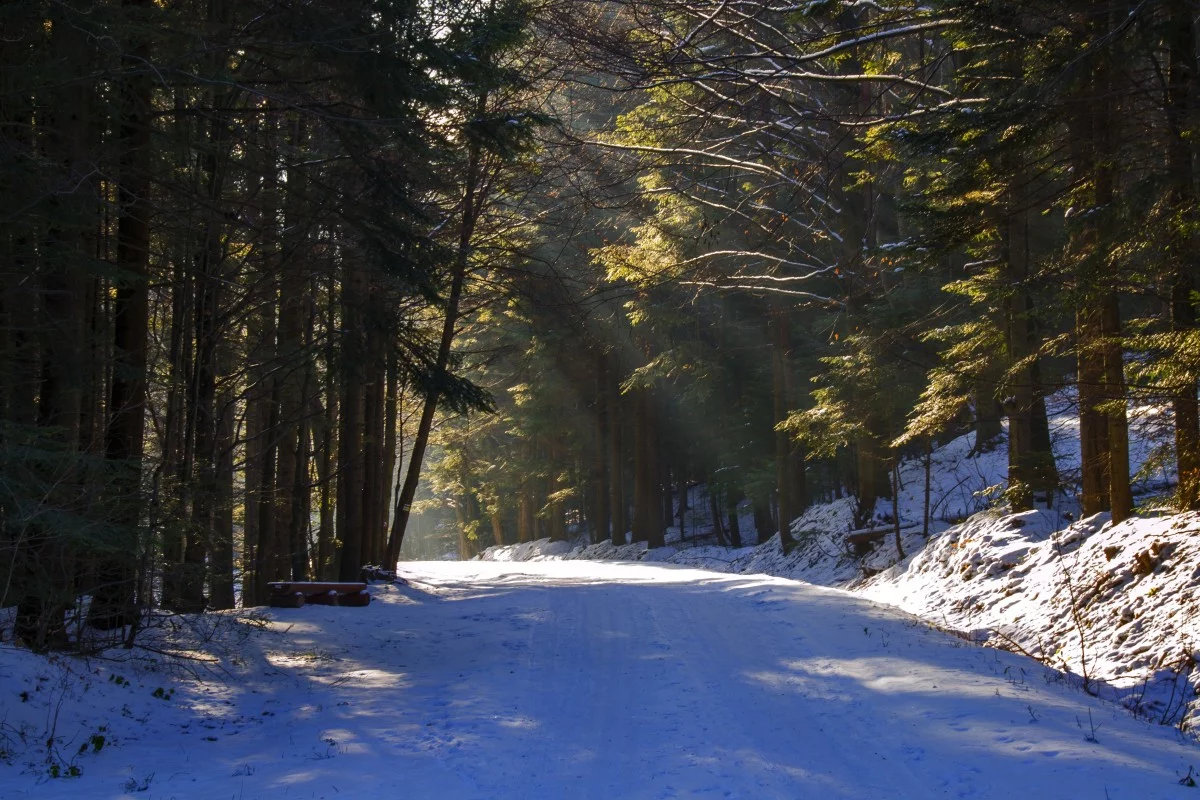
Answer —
1116 604
592 680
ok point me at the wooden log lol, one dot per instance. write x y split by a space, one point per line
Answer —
348 599
309 588
329 598
293 600
862 542
358 600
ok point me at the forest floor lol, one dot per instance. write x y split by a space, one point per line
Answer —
575 679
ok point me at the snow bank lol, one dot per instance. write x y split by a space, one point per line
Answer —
1113 604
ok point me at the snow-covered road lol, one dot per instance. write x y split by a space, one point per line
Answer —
605 680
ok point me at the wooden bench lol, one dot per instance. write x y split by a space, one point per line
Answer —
294 594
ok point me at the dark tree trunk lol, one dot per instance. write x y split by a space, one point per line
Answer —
616 482
895 475
783 445
324 568
391 433
764 528
114 602
647 497
601 492
1119 491
1181 254
873 476
208 335
525 517
714 510
350 439
472 208
732 498
1100 370
497 529
1030 462
1093 428
374 398
989 414
221 577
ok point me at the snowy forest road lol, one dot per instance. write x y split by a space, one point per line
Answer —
594 680
574 679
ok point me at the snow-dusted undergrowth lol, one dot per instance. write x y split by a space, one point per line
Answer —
1114 604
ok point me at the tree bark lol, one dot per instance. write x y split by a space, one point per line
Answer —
1181 253
1119 491
350 439
114 603
472 208
1093 428
616 481
732 498
784 477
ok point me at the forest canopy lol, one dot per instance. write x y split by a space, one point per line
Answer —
281 281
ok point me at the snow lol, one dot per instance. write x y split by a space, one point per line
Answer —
1115 606
549 669
583 679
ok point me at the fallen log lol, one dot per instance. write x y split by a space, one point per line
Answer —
863 540
295 594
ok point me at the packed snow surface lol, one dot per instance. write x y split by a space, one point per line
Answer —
583 679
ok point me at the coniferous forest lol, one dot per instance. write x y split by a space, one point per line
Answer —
279 280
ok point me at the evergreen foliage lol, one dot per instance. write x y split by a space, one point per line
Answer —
257 259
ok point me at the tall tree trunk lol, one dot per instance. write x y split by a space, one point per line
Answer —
257 419
221 570
1119 491
780 358
928 482
1103 431
616 471
714 512
763 527
202 393
733 497
600 474
872 478
656 529
296 317
114 603
391 440
1093 428
472 207
324 568
177 441
647 499
682 505
525 517
374 398
350 439
1023 454
1181 252
895 474
989 414
45 572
